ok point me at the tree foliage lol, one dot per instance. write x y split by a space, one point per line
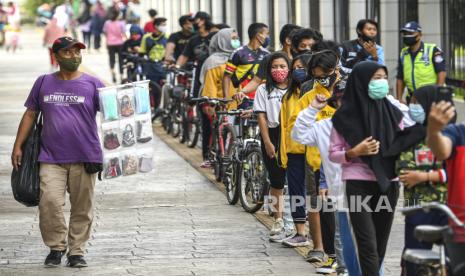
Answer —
30 6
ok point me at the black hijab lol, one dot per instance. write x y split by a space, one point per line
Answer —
360 117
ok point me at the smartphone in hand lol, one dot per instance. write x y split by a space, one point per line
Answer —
444 93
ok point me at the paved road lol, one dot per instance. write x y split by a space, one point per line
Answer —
172 221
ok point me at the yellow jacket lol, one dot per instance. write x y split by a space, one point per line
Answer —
312 154
287 145
213 85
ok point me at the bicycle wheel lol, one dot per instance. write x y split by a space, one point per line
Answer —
166 92
182 123
231 178
176 119
253 181
192 128
223 150
155 97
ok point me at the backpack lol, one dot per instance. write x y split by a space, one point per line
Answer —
126 106
110 140
145 163
144 131
202 51
130 164
113 168
128 136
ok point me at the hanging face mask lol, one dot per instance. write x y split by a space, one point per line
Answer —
378 89
162 29
409 40
299 75
69 64
367 38
417 113
235 43
266 42
328 81
279 75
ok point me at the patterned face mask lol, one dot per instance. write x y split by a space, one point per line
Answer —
327 81
279 75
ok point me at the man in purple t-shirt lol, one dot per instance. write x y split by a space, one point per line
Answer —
68 100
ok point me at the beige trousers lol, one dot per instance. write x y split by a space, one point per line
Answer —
55 180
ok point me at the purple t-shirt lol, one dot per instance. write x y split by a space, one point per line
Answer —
69 108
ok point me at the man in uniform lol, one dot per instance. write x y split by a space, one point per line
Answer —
420 63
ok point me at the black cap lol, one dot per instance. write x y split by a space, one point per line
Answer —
66 42
203 15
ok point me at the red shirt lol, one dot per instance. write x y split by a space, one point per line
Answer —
456 173
149 28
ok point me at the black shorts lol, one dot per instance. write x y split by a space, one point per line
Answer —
312 179
276 174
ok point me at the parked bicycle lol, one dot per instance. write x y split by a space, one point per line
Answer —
223 135
174 96
449 238
245 175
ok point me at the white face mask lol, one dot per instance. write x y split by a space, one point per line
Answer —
162 29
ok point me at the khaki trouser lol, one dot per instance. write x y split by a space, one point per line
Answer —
55 180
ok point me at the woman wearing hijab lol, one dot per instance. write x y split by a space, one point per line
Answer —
222 45
423 177
366 129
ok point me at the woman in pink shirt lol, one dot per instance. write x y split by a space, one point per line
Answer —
365 140
51 33
114 31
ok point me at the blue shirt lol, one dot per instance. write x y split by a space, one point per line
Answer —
379 51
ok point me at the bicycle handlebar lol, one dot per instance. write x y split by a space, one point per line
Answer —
214 101
236 112
428 207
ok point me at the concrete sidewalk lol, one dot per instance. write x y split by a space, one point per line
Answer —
172 221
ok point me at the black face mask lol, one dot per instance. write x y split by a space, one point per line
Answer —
328 81
409 40
366 38
332 102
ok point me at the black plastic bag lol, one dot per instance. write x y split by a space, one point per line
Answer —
25 181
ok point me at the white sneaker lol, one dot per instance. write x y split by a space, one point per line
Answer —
284 235
277 226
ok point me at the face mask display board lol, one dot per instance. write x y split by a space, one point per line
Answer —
126 129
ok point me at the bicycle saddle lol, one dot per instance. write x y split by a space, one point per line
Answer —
429 233
421 256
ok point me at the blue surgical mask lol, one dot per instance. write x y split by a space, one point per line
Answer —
378 89
235 43
266 42
417 113
299 75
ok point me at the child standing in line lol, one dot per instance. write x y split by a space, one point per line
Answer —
268 105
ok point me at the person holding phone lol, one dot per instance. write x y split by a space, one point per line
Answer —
363 48
422 175
447 142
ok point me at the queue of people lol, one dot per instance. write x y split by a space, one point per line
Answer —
330 131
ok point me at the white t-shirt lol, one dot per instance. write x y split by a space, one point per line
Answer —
269 103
